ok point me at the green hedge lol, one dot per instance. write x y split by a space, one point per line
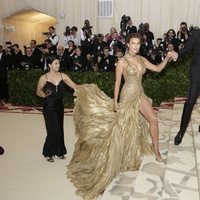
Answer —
164 86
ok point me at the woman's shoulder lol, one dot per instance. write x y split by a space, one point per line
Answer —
43 76
123 60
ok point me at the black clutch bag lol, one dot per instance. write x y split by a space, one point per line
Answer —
46 89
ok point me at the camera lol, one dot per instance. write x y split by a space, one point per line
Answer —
43 46
67 31
191 28
45 33
184 29
123 23
141 29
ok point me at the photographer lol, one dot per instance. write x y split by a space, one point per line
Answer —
52 36
115 44
3 76
123 26
79 61
86 37
71 34
171 38
160 50
130 28
29 60
109 36
149 34
17 58
98 44
47 49
9 52
66 36
106 62
183 34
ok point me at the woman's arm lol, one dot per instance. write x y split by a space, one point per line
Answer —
118 76
157 68
40 85
69 82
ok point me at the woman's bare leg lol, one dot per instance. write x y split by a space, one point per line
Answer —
147 111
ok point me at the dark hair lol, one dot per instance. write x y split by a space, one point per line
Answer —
133 35
172 31
50 59
48 41
16 45
106 48
8 42
74 28
52 27
70 41
34 41
183 23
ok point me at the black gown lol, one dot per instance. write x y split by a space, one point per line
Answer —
53 111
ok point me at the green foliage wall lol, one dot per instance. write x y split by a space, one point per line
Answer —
164 86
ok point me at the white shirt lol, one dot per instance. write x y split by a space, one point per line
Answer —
54 39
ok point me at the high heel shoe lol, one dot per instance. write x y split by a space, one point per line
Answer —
62 157
157 154
49 159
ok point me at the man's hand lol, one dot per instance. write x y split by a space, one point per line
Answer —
174 56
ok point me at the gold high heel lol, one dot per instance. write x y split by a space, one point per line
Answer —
157 154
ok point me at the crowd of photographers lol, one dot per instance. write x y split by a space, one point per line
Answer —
82 50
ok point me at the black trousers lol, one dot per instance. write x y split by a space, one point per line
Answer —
3 86
193 93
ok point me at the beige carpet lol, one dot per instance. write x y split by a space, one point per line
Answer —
24 173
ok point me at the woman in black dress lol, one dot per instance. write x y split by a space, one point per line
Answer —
51 87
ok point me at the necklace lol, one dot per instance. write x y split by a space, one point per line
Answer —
131 54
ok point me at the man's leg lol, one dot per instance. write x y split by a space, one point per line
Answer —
194 89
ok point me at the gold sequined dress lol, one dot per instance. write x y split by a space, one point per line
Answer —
108 142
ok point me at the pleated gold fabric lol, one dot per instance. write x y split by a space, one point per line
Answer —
108 142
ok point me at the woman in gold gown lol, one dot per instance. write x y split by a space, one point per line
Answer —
112 136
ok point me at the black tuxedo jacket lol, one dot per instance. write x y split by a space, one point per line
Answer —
193 43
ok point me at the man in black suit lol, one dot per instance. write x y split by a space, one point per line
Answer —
3 75
64 64
193 43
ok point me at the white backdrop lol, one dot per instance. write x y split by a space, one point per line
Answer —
160 14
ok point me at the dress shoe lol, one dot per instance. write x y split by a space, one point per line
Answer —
178 138
1 150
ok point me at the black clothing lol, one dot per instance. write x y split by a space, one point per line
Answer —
37 56
194 85
98 48
64 62
131 29
53 111
3 77
107 63
17 59
150 37
79 63
30 62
